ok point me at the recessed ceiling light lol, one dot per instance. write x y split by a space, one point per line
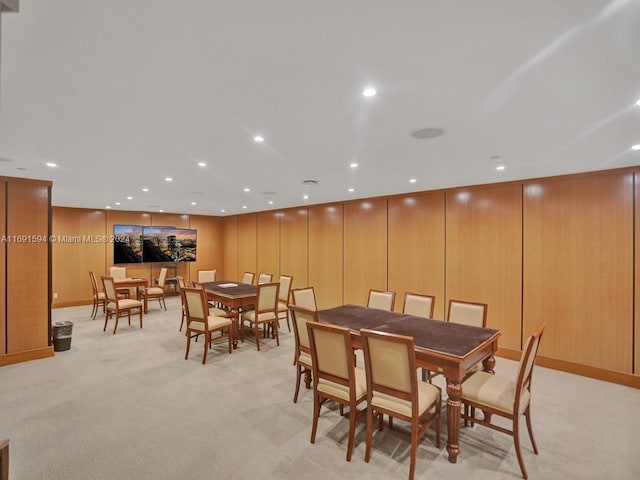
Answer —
636 147
500 167
351 189
270 202
20 168
193 203
145 189
222 210
638 103
369 92
202 164
51 164
258 139
161 210
353 165
413 180
247 189
108 206
305 196
244 206
117 203
168 179
129 198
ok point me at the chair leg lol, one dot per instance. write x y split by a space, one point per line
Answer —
353 413
316 414
298 376
188 343
207 344
276 330
516 442
288 323
94 311
256 330
415 426
527 415
106 319
367 451
116 325
140 317
229 339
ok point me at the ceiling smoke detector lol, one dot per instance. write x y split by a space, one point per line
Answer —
309 183
425 133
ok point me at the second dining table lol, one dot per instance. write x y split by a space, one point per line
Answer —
233 295
448 348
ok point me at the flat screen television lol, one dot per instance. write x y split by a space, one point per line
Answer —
139 244
127 244
168 244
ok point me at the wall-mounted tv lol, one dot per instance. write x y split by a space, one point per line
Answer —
138 244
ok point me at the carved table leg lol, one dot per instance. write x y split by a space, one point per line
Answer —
488 364
307 378
234 327
454 391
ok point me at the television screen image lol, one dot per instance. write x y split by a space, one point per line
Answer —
168 244
127 244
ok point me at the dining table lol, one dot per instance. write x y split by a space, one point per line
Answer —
448 348
234 296
133 282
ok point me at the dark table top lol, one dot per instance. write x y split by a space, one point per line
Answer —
240 289
436 335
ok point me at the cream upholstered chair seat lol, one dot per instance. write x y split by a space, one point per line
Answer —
262 317
343 391
154 290
118 307
495 391
427 396
213 323
124 303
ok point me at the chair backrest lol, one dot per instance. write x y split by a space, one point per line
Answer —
527 361
300 317
248 277
381 300
206 276
94 283
390 363
304 297
267 299
181 283
162 278
196 306
118 273
285 288
331 356
265 278
418 305
467 313
109 289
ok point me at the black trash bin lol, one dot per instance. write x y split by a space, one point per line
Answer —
62 336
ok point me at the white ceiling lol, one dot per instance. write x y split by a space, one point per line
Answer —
123 93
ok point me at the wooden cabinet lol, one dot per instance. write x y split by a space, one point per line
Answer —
25 262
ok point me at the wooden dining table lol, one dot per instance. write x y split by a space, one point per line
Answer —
234 295
448 348
134 282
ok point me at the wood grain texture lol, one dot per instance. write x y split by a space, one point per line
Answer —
268 248
484 254
247 243
416 247
294 245
230 248
27 267
636 345
365 249
80 248
3 266
326 254
209 249
578 270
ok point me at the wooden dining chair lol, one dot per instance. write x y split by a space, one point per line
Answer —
381 300
467 313
264 314
393 389
4 459
418 305
200 322
284 293
248 278
181 286
304 297
206 276
302 349
496 395
150 293
265 278
118 307
120 273
335 376
99 298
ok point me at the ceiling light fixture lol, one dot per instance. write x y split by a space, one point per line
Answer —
369 92
145 189
636 147
270 202
500 167
258 139
108 207
638 103
161 210
247 189
168 179
353 165
202 164
244 206
305 196
193 203
222 210
129 198
425 133
51 164
413 180
352 190
117 203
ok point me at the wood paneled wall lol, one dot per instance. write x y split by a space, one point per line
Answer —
3 266
74 257
484 254
326 254
230 248
294 246
248 244
268 248
416 247
578 268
